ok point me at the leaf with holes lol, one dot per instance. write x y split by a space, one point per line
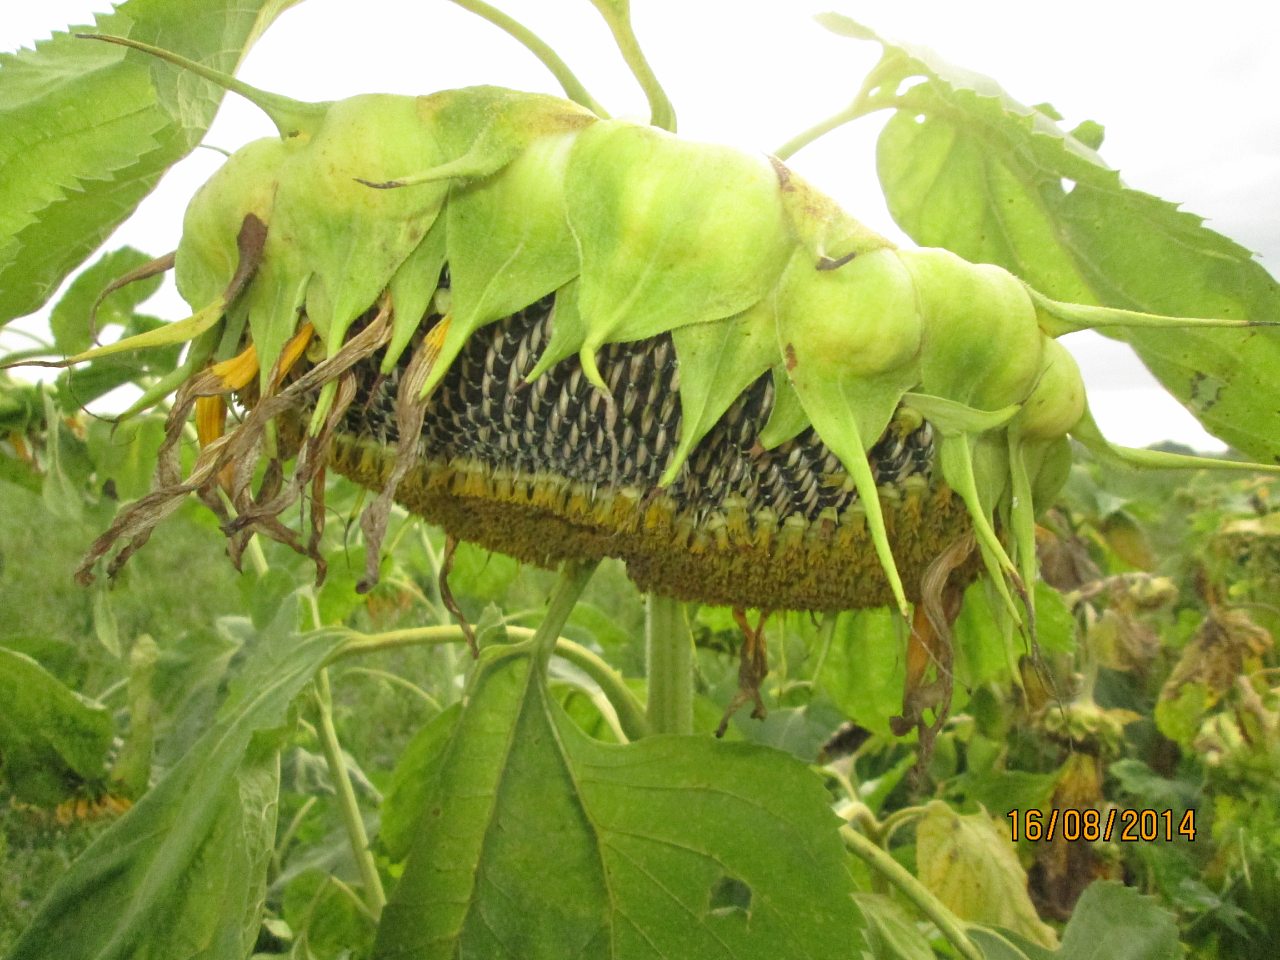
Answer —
537 841
966 167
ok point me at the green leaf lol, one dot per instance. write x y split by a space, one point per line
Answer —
969 863
1116 922
61 494
966 167
69 319
892 934
537 841
125 453
50 738
89 128
410 783
183 873
324 918
865 668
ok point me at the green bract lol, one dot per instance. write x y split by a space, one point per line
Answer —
637 234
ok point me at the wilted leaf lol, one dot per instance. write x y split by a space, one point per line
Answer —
537 841
971 866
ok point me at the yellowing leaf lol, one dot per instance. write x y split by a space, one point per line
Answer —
970 864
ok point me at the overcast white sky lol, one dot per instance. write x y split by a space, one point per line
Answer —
1186 92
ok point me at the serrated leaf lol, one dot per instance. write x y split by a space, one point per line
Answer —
966 167
183 873
671 846
50 738
88 129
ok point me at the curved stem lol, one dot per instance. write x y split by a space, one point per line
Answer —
631 716
617 14
860 107
286 838
947 922
362 643
669 656
571 85
826 631
374 897
630 711
397 681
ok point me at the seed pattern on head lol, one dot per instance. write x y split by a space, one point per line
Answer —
557 425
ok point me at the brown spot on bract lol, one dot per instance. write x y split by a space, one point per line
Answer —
789 351
784 175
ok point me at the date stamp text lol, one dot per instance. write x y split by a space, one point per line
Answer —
1123 824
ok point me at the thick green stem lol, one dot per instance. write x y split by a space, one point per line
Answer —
669 655
948 924
374 897
574 575
617 14
571 85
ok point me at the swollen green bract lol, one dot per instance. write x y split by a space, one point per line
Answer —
637 234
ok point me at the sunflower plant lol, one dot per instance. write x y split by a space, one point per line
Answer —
595 347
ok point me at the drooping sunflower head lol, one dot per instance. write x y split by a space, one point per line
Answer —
563 336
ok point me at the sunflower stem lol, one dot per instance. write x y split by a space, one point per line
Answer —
571 85
630 711
860 107
948 924
617 14
374 896
573 578
669 657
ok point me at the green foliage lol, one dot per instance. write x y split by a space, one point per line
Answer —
183 872
509 815
89 129
518 780
966 167
50 738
